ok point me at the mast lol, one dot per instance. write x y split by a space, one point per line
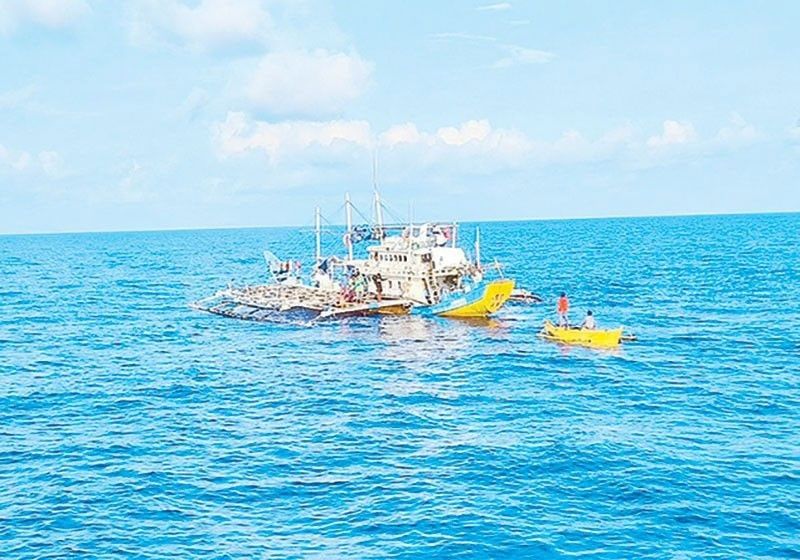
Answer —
378 210
378 205
348 211
478 246
318 229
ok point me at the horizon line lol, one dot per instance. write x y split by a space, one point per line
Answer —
516 220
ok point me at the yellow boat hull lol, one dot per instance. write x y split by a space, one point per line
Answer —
495 295
584 337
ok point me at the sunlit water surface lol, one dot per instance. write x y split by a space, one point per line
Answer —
132 426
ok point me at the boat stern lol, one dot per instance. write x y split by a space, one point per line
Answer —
482 301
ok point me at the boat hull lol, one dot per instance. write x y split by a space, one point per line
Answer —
366 309
482 301
582 337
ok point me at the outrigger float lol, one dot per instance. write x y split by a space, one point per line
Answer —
407 268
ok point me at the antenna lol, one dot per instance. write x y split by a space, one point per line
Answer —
375 169
378 205
318 229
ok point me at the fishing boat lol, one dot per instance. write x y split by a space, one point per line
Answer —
595 338
423 264
400 268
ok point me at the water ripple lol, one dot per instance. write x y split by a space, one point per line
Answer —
131 426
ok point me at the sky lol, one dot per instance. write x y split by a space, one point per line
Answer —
161 114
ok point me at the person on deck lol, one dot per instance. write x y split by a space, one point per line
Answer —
378 280
588 322
359 285
562 308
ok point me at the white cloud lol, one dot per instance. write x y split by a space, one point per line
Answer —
470 131
499 7
470 145
14 161
737 132
516 55
679 138
48 13
204 25
51 163
673 133
133 187
573 147
238 134
46 162
18 97
303 82
401 134
474 143
194 104
474 146
473 138
465 36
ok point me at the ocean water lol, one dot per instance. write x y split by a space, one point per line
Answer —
134 427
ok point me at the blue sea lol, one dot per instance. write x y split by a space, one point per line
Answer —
132 426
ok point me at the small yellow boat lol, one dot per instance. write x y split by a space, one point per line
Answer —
583 337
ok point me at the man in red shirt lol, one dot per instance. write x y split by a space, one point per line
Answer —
563 310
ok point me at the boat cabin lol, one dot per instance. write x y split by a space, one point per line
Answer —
420 263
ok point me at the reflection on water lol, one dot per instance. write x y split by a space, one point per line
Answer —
422 344
416 339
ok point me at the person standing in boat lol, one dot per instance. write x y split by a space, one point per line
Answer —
589 323
562 309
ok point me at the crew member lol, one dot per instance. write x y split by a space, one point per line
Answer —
562 308
378 280
588 322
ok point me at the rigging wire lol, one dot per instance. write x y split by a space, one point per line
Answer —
363 217
391 213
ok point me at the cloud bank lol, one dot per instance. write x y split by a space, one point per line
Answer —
473 144
53 14
206 25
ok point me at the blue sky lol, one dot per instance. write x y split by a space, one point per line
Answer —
151 114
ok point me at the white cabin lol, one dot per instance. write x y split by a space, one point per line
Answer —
419 264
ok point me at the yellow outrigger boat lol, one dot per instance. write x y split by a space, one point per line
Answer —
583 337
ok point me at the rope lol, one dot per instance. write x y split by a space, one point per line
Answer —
392 214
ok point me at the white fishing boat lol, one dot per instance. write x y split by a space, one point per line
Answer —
387 269
421 264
